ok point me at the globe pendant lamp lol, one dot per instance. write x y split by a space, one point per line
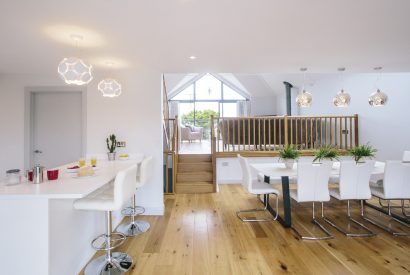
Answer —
73 70
378 98
341 99
109 87
305 98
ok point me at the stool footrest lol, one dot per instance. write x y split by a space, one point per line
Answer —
108 242
133 211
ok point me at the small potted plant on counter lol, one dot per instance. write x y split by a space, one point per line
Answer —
111 146
288 155
362 152
326 152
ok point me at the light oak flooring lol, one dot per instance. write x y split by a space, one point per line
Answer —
200 234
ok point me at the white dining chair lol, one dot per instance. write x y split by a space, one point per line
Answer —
379 183
256 187
395 186
406 156
312 186
353 185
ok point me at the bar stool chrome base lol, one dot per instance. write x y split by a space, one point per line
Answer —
118 264
134 228
327 236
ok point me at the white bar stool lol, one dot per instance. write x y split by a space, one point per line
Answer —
110 198
137 227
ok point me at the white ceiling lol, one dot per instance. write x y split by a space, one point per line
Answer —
238 36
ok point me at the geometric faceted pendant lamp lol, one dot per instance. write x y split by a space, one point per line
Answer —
109 87
73 70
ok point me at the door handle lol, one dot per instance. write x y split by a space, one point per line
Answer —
38 151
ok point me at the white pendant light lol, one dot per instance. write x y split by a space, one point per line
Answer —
341 99
305 98
73 70
378 98
109 87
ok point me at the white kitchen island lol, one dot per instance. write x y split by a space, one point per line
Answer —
40 231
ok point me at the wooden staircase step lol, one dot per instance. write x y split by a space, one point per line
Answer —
194 187
194 176
189 158
195 167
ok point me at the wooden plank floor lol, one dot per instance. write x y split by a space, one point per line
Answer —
200 234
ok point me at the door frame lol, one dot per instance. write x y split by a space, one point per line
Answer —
29 93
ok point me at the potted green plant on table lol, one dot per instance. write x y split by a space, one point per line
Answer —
361 152
111 146
288 155
326 152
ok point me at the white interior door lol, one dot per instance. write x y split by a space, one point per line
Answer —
56 128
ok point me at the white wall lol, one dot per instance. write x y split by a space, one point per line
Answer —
386 128
135 117
265 105
229 170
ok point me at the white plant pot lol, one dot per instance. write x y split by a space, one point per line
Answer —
289 163
111 156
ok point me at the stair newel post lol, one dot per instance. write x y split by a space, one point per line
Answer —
213 151
177 131
356 130
213 143
285 126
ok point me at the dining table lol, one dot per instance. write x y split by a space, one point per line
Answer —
272 171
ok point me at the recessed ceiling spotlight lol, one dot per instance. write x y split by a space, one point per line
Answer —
192 57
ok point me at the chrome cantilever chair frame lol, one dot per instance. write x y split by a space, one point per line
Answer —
266 203
395 185
316 175
403 209
316 222
401 206
248 184
353 185
384 227
350 234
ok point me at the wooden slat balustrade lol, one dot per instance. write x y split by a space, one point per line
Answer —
271 133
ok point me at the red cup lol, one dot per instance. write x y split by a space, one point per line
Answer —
30 175
52 174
